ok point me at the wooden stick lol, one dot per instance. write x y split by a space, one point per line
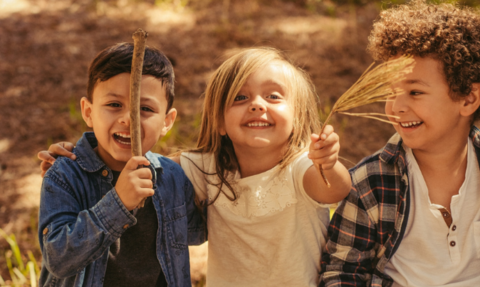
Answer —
139 39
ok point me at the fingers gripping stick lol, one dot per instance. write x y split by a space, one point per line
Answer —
139 39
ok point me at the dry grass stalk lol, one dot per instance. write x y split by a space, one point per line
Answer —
375 85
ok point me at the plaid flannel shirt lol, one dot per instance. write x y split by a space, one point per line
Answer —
369 224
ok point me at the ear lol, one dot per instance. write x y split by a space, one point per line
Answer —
86 106
471 102
169 120
222 130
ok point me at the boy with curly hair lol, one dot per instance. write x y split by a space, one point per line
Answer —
412 217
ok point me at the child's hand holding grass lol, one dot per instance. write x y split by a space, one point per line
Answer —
324 148
134 184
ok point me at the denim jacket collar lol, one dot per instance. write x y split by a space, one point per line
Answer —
89 161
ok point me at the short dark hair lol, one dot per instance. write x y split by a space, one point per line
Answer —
443 32
117 59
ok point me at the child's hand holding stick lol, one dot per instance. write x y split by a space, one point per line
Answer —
139 39
375 85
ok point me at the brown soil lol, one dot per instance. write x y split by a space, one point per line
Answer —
46 46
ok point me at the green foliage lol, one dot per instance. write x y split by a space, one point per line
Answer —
22 273
76 116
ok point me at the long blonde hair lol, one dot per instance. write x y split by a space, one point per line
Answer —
221 91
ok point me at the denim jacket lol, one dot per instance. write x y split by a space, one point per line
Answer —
81 215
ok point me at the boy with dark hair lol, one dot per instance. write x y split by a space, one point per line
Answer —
90 231
412 217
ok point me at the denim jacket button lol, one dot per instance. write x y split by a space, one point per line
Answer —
125 226
105 172
45 231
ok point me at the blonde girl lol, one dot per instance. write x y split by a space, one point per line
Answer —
253 166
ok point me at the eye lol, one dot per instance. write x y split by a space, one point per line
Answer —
274 97
146 109
240 98
114 105
415 93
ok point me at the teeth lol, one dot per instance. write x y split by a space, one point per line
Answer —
409 124
120 136
123 135
122 142
258 124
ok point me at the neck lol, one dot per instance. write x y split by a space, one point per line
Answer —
452 158
252 163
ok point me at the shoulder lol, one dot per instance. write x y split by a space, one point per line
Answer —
169 168
373 177
198 161
169 164
65 174
63 167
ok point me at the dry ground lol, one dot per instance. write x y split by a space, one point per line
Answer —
46 46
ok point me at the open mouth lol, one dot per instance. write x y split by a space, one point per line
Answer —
410 124
258 124
122 138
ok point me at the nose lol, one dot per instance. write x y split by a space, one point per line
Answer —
125 118
258 104
400 103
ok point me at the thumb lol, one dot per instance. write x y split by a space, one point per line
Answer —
314 137
135 161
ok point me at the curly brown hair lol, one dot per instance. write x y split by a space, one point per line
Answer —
444 32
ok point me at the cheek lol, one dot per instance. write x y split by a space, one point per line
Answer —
388 108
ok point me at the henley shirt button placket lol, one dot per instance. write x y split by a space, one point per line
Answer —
452 243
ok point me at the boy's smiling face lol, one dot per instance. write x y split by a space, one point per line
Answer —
428 117
109 116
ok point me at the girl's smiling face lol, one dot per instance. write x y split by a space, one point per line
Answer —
261 116
428 117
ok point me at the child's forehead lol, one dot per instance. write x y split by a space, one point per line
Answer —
118 86
273 73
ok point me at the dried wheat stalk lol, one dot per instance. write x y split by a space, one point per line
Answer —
375 85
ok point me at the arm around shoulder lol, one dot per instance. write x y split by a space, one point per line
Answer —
350 252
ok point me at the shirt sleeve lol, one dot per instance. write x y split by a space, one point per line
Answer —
300 166
71 237
350 252
197 167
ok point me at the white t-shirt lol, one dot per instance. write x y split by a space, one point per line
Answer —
272 235
431 253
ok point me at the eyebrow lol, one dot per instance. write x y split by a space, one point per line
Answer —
416 81
113 95
270 82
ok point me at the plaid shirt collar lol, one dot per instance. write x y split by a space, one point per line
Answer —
393 149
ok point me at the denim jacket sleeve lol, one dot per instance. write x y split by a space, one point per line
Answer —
197 220
74 229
